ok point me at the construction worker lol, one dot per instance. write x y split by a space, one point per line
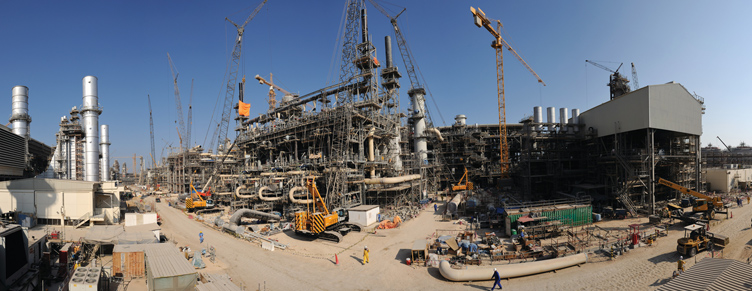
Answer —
680 265
365 255
747 199
497 280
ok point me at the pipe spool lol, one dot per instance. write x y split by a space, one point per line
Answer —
261 195
250 213
510 270
298 201
391 180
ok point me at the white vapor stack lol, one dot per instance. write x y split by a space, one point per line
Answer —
104 147
90 112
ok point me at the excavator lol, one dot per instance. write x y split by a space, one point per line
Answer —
318 221
467 186
704 204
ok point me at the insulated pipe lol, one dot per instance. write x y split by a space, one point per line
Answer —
391 180
371 155
261 195
436 132
104 147
510 270
454 204
238 195
20 111
388 44
90 112
249 213
298 201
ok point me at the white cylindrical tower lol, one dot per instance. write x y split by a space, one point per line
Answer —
419 123
563 116
460 119
576 119
537 117
90 112
551 117
20 111
104 147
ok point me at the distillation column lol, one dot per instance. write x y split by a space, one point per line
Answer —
419 123
90 112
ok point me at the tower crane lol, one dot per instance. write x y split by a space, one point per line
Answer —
617 83
482 21
233 76
178 104
272 87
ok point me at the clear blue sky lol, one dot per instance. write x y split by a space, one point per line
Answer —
49 46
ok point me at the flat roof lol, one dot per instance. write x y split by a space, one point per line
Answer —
363 208
167 261
420 245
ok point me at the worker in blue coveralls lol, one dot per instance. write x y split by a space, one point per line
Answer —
497 280
201 237
435 208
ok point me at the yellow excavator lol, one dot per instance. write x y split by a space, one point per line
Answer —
467 186
318 221
704 204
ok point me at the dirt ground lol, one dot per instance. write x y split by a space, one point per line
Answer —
310 265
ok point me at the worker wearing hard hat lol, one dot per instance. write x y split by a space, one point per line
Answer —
680 265
497 280
365 255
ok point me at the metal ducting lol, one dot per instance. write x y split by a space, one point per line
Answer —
104 147
551 117
90 112
537 116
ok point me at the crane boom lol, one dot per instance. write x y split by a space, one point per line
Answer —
151 133
233 76
602 66
178 103
635 84
717 203
724 144
190 119
482 21
278 88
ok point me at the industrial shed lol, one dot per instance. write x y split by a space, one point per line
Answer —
51 199
713 274
130 261
168 270
364 215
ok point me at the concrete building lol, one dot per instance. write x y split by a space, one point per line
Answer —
728 178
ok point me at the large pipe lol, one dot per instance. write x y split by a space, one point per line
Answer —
249 213
576 119
242 196
261 195
388 44
20 111
454 204
510 270
392 180
436 132
364 25
104 147
90 112
371 155
298 201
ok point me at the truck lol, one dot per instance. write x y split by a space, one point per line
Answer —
705 204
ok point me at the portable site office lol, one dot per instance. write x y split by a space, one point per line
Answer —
168 270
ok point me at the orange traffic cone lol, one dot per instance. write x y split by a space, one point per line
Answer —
336 259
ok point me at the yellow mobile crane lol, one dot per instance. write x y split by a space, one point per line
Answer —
318 221
467 186
705 204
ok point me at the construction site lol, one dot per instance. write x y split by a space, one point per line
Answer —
318 177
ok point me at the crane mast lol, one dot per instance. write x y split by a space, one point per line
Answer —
178 103
190 118
151 133
499 43
233 76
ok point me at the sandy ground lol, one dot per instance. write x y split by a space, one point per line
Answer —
310 265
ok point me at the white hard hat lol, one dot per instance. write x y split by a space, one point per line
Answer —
681 257
365 247
494 269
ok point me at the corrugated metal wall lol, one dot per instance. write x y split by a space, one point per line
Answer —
578 215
